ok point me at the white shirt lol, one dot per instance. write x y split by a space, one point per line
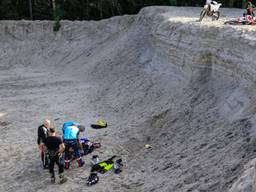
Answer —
208 2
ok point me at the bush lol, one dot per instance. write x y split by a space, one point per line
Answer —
56 25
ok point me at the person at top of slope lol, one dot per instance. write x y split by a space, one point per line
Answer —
250 8
208 2
71 131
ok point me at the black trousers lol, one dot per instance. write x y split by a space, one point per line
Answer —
56 159
44 158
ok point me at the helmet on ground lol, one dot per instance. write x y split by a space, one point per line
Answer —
101 122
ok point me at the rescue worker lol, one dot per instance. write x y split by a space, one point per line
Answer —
55 148
71 132
42 134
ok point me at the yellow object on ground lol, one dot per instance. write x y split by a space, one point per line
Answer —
102 123
147 146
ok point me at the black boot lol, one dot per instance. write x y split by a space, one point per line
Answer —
63 179
118 166
52 179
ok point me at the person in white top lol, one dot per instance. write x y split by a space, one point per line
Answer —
208 2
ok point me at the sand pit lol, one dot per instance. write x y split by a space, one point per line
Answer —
159 78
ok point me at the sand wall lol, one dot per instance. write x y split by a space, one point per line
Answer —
159 77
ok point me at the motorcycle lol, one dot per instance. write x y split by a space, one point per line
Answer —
211 10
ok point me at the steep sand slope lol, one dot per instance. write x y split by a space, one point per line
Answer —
159 77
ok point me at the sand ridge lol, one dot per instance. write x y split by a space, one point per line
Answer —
158 78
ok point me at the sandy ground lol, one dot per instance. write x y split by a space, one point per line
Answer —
158 78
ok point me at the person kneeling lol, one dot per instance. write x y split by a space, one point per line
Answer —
55 147
71 132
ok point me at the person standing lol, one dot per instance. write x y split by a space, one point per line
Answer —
208 2
71 132
55 148
250 7
42 134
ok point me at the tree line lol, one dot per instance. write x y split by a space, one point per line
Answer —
88 9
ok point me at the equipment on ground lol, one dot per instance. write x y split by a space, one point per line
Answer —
95 159
104 166
118 166
99 124
93 179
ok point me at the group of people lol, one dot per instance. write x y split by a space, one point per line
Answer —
52 147
249 7
211 9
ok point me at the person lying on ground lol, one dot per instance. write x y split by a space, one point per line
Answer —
87 146
55 148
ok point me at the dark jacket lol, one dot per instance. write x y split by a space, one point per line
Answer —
42 134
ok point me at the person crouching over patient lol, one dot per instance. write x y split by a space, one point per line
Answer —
71 132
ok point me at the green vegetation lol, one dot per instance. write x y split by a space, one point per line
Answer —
87 9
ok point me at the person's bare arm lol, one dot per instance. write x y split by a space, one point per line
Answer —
62 148
41 147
